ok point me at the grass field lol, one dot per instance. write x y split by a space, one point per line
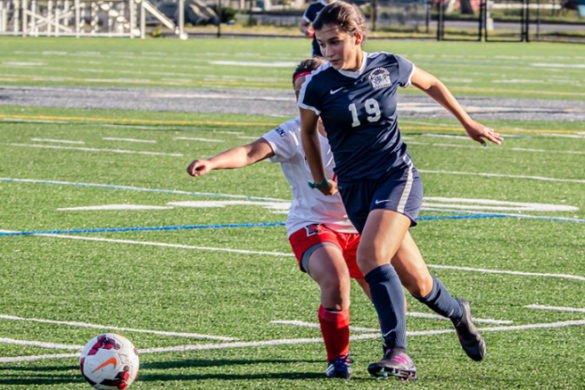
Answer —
212 296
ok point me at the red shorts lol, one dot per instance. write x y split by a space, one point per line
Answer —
305 238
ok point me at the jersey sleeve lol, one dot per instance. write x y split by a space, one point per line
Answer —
284 140
405 71
309 96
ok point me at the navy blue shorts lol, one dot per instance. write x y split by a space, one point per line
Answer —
400 191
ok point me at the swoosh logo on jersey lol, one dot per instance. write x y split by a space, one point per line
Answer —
109 361
334 91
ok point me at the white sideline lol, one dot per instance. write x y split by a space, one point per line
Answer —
107 327
243 344
97 150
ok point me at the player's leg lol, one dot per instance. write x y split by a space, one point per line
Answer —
319 253
381 237
327 267
425 287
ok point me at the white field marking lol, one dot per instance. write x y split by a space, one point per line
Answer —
446 136
476 320
201 95
116 328
19 64
243 344
493 205
144 141
279 206
198 139
549 65
503 176
578 135
280 254
476 146
59 141
246 137
32 358
555 308
271 64
98 150
40 344
313 325
408 314
505 272
115 207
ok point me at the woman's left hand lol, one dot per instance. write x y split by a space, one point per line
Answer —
478 132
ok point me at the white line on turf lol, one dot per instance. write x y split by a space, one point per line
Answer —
243 344
198 139
503 176
556 308
280 254
97 150
107 327
144 141
59 141
41 344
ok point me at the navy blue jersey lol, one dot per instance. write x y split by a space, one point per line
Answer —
310 15
358 110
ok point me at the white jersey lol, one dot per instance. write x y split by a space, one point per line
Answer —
309 205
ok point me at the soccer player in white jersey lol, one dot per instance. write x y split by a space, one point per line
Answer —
354 95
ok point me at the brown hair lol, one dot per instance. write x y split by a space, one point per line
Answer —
347 17
307 66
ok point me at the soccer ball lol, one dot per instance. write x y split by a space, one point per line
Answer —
109 361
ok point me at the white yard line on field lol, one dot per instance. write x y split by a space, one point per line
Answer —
198 139
556 308
58 141
97 150
252 344
281 254
144 141
582 181
107 327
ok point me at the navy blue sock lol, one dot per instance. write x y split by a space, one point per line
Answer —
440 301
388 298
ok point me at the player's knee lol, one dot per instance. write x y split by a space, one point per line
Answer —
419 287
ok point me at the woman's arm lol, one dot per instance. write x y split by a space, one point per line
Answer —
238 157
438 91
312 147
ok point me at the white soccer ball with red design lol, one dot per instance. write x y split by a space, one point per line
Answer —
109 361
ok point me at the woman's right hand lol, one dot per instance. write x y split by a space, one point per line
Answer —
332 188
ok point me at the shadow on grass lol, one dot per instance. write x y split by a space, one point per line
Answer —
68 374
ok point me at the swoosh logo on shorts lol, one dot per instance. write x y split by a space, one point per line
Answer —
109 361
334 91
377 202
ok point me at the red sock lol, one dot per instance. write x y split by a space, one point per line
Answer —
335 330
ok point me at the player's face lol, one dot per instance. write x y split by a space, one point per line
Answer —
340 48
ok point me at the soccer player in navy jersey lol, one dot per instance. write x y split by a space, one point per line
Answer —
309 17
355 96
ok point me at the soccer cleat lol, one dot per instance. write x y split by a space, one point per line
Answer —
395 363
471 341
339 368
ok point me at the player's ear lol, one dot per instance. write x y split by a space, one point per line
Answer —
359 36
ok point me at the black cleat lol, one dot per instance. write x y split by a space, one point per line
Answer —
471 341
395 363
339 368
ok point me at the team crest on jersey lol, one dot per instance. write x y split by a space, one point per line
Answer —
380 78
312 229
